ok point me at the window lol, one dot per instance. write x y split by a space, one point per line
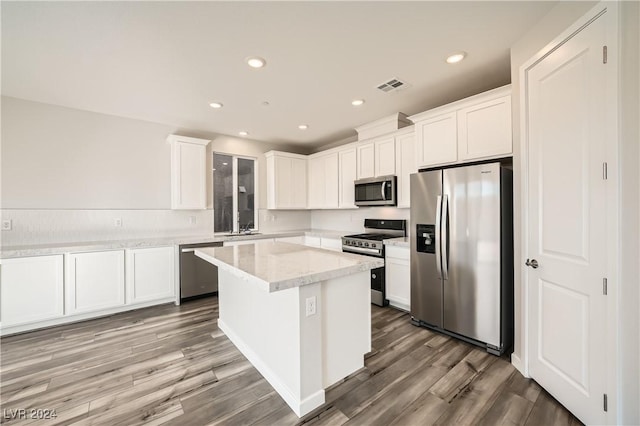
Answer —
234 193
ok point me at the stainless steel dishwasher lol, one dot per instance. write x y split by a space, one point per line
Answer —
198 278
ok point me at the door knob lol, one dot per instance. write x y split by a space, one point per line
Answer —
533 263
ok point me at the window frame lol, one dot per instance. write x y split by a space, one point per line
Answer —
234 180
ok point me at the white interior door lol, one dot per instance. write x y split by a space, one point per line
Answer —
567 222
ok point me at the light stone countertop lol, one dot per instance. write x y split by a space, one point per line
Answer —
8 252
280 266
399 242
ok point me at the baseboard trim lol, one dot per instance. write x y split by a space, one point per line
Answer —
517 363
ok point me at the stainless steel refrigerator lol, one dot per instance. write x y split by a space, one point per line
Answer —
461 234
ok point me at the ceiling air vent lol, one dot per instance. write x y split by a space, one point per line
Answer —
391 85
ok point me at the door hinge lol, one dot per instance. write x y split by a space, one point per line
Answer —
604 54
604 286
605 402
605 171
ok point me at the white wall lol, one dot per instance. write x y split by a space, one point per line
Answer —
629 293
549 27
352 220
628 324
67 173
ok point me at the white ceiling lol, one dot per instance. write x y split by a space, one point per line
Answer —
165 61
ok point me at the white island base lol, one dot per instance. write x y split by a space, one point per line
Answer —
299 353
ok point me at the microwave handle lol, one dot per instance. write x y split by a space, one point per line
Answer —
382 191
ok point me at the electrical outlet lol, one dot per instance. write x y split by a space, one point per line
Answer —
117 222
310 305
7 224
192 220
272 218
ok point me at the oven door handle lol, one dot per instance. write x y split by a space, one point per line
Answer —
382 191
360 250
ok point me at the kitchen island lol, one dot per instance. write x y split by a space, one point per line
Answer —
301 315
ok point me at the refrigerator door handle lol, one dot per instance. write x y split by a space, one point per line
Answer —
438 220
445 237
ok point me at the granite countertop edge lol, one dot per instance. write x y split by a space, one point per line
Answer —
364 264
9 252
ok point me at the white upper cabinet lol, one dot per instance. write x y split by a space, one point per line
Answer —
366 160
324 181
347 159
474 128
188 173
385 163
437 140
286 180
376 158
405 166
484 129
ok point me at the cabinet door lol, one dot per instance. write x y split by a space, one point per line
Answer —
484 130
366 161
398 282
405 166
94 281
346 176
292 240
282 182
188 174
385 156
32 289
316 183
150 274
331 181
334 244
437 140
298 183
311 241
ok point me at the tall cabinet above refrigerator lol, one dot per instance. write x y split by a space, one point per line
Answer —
461 233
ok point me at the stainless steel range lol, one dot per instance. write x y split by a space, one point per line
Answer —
370 244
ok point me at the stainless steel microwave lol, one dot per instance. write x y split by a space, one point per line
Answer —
378 191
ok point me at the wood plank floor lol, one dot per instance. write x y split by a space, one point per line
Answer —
171 365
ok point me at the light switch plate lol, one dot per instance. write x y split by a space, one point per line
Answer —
7 224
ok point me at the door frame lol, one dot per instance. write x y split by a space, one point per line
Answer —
610 11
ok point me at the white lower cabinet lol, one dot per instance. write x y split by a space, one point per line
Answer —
150 274
32 289
292 240
334 244
94 281
398 277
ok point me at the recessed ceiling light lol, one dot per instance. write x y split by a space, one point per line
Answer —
357 102
303 127
456 57
243 133
224 164
256 62
215 105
